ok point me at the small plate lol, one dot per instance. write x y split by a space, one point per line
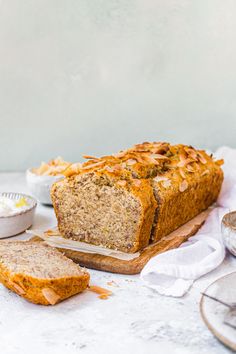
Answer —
18 222
213 313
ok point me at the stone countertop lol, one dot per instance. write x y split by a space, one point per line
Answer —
134 319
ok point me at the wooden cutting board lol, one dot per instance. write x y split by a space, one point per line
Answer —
134 266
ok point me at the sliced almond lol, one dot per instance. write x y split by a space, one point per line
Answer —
50 295
158 156
121 183
72 169
18 288
99 163
183 186
190 168
137 182
103 293
206 172
117 167
109 169
202 158
160 178
166 184
182 173
183 160
120 154
131 162
89 157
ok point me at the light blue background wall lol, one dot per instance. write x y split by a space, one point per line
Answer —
94 76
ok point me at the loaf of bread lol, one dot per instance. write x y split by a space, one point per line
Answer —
39 273
127 200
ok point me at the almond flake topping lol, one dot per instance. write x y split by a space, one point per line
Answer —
158 156
166 184
183 186
99 163
89 157
160 178
190 168
50 295
121 183
18 288
206 172
131 162
109 169
202 159
137 182
182 174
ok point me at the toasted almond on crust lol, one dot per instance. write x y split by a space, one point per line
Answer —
158 156
92 165
120 154
206 172
131 162
18 288
183 186
182 173
50 295
109 168
190 168
137 182
122 183
160 178
89 157
166 184
202 158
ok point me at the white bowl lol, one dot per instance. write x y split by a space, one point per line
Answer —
18 222
40 186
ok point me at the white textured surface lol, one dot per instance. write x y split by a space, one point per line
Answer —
95 76
135 319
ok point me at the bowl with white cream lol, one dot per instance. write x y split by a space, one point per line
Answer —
16 213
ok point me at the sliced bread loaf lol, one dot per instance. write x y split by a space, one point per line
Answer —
39 273
111 201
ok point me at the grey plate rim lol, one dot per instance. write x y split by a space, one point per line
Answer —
219 336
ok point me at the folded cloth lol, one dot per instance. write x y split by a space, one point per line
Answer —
172 273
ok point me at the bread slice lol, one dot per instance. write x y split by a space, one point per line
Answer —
101 209
39 273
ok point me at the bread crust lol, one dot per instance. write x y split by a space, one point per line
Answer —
43 291
175 208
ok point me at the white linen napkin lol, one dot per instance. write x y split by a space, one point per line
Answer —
172 273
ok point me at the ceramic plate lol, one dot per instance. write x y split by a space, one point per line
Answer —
213 313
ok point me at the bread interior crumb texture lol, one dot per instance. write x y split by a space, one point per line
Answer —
37 260
92 209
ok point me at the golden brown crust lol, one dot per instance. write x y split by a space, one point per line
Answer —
43 291
192 187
